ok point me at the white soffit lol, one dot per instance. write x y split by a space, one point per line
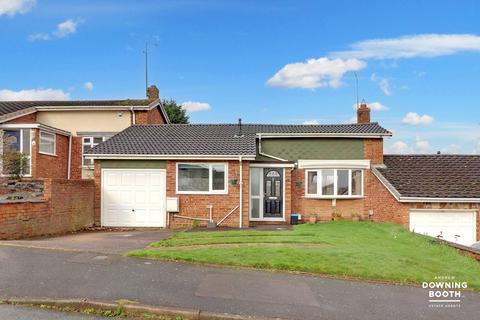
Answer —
334 164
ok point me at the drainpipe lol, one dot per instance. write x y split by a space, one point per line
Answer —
69 157
241 192
264 154
133 115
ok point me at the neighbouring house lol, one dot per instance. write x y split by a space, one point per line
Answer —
244 175
55 134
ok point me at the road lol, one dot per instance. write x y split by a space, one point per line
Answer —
28 272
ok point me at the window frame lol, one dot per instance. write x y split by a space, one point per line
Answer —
319 194
92 144
21 145
42 132
210 178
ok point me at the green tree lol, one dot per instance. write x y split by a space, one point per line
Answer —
175 112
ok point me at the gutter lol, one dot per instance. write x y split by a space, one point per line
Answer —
241 192
167 157
323 135
394 192
132 120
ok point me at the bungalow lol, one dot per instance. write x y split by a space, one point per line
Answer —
53 135
241 175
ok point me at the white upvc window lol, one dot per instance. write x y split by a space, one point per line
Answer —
202 178
18 140
334 183
48 143
87 144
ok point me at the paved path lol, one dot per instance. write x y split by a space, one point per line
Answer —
39 273
8 312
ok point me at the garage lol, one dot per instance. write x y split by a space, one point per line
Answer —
133 198
453 225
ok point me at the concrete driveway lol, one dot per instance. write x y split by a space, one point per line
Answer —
106 242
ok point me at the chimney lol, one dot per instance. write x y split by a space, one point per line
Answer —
153 93
363 113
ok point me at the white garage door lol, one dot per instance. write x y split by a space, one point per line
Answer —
133 198
455 226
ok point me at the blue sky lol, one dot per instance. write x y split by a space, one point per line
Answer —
263 61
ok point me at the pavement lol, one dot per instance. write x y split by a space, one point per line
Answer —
10 312
107 242
60 274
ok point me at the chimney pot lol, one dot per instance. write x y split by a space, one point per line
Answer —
363 113
153 93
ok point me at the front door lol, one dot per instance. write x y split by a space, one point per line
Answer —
272 193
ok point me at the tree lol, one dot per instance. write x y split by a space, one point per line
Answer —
175 112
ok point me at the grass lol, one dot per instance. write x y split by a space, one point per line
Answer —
362 250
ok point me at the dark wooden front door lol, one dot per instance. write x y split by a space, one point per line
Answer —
273 193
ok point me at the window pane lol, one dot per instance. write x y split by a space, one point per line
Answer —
255 208
312 182
342 182
277 188
327 182
218 177
86 140
26 142
47 142
97 140
193 177
356 182
268 188
11 140
255 180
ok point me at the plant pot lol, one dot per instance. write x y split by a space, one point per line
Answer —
312 219
355 218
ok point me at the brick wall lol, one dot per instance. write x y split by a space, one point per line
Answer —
196 205
67 206
47 166
373 150
152 116
76 164
387 209
29 118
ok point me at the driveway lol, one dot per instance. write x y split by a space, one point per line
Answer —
106 242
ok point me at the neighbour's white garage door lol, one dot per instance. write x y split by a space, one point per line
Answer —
133 198
453 225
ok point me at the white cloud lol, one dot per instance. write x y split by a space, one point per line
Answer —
191 106
422 146
63 30
315 73
311 122
411 46
451 149
33 94
414 119
399 147
12 7
374 106
383 83
88 86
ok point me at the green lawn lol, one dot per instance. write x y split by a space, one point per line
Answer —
348 249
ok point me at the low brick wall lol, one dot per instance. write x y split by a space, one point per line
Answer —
67 206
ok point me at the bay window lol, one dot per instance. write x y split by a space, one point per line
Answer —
202 178
334 183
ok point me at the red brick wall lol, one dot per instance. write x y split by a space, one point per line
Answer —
68 206
97 177
76 165
196 205
29 118
152 116
47 166
387 209
373 150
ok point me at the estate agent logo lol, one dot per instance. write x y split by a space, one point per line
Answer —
444 292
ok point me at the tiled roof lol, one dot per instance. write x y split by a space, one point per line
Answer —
13 106
212 139
433 176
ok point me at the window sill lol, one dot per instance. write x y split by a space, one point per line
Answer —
333 197
47 154
206 193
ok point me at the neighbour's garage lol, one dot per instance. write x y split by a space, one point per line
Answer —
452 225
133 197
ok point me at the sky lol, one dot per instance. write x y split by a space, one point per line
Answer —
292 62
